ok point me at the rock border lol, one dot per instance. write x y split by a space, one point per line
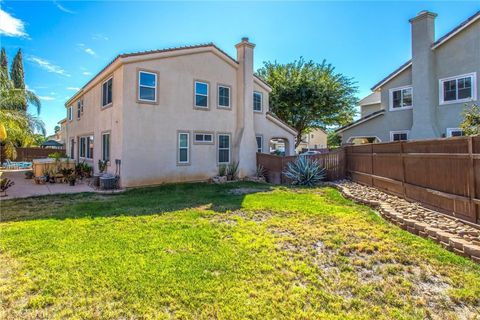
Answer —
452 241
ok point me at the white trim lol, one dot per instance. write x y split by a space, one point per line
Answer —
201 94
70 113
187 147
450 130
472 75
362 137
456 32
86 145
409 64
261 101
229 96
407 132
106 133
390 98
141 85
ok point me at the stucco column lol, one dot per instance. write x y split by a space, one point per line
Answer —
245 145
423 77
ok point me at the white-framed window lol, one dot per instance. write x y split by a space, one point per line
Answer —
201 94
223 148
400 135
106 146
183 147
401 98
223 96
147 86
107 87
79 108
203 137
86 147
70 113
454 132
458 89
259 143
257 101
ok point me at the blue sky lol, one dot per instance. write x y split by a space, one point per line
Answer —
65 43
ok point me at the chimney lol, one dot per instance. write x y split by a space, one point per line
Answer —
244 140
423 76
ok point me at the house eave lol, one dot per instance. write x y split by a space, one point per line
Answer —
361 120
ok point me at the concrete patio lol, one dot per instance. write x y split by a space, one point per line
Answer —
24 188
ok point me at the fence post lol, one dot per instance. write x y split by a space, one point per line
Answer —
403 168
471 178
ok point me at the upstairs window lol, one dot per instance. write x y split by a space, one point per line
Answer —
257 101
107 92
401 98
147 86
458 89
79 108
201 94
399 135
70 113
223 148
224 97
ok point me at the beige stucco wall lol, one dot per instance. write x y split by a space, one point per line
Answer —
145 135
315 139
370 108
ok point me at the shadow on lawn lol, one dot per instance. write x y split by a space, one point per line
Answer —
134 202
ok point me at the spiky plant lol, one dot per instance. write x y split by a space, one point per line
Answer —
261 172
232 171
305 171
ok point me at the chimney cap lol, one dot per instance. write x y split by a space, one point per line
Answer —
422 14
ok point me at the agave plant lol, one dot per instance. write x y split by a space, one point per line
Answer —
261 172
5 184
305 171
232 171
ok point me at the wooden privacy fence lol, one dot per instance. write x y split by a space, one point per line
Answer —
442 174
333 161
27 154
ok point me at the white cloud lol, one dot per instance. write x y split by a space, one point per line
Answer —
10 26
46 65
86 73
46 98
62 8
99 36
73 88
87 50
90 51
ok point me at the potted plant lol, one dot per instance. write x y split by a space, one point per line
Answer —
66 172
5 183
71 178
28 174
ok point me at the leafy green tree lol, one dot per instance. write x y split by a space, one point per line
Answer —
307 95
39 139
471 120
4 63
333 139
56 129
18 77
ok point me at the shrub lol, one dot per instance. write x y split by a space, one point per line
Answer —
222 170
5 184
102 166
28 174
260 172
57 155
232 171
305 171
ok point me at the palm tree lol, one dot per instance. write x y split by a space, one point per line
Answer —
17 127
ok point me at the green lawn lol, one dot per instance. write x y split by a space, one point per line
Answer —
197 251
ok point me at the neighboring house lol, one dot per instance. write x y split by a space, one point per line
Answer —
315 139
424 98
174 115
60 135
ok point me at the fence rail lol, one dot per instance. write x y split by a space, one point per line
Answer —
27 154
442 174
334 162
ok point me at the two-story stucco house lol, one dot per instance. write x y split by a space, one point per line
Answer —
174 115
424 98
